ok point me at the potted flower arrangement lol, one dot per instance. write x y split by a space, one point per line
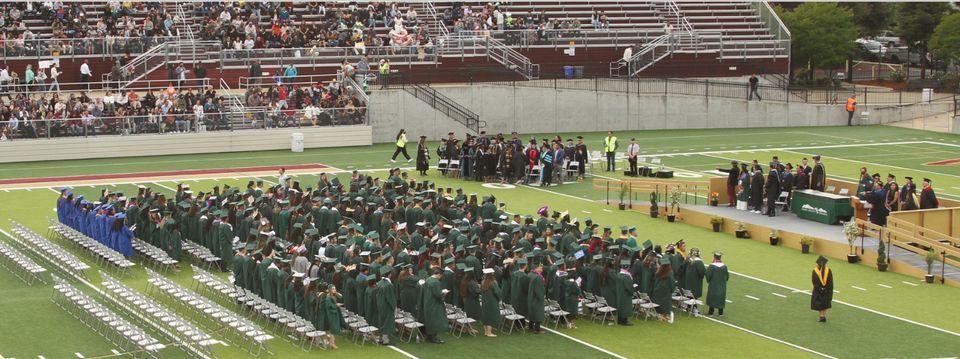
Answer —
882 257
805 243
715 199
623 194
851 231
929 258
716 221
774 237
674 205
742 231
654 209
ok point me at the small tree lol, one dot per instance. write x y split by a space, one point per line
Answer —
654 199
823 34
623 192
851 231
675 200
945 41
929 258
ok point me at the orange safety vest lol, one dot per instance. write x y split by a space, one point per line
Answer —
851 104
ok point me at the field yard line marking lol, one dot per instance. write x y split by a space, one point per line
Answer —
158 184
6 190
79 355
28 190
885 286
858 288
55 191
610 353
398 350
941 143
751 297
729 301
891 316
808 350
908 283
801 148
882 165
779 295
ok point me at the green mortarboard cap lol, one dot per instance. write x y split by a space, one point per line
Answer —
647 244
522 261
238 246
329 260
538 240
373 234
597 257
448 260
184 204
386 255
471 247
624 228
468 269
422 248
587 220
607 228
515 230
171 221
251 246
298 225
254 231
461 266
625 262
460 248
664 260
632 228
435 255
312 232
557 255
384 270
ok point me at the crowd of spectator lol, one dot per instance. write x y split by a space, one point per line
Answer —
287 102
128 27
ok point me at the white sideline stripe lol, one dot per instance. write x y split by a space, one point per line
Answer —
751 297
858 288
585 211
891 316
114 351
57 192
43 357
28 190
398 350
91 186
610 353
884 285
779 295
729 301
78 355
908 283
808 350
161 185
607 210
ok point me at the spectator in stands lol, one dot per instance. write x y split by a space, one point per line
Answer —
28 77
290 74
384 70
85 73
754 82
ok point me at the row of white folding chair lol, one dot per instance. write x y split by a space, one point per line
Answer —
20 265
684 300
169 318
642 305
460 321
199 252
599 309
511 316
556 313
361 330
122 333
158 257
49 251
222 318
408 325
204 280
100 251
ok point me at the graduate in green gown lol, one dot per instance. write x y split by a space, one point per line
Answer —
333 321
624 293
370 299
386 298
536 295
349 290
519 288
409 290
490 304
663 287
433 314
299 304
694 270
717 276
470 292
570 302
240 265
173 243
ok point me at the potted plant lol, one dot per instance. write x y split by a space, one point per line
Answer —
674 205
774 237
881 257
742 231
929 258
805 243
851 231
654 210
715 199
623 194
716 221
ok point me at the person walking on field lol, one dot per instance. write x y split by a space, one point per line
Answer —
401 146
822 296
851 108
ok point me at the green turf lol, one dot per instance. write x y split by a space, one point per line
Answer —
851 332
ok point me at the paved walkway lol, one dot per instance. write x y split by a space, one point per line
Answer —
789 222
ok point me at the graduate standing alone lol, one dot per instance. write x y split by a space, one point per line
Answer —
822 296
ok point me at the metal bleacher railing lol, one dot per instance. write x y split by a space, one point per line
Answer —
440 102
774 24
163 55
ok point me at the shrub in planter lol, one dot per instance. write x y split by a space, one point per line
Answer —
851 231
929 257
805 244
715 199
774 237
742 231
623 194
716 222
882 257
674 205
654 209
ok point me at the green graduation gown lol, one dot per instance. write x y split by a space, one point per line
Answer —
348 288
432 313
332 320
717 276
409 292
386 307
490 307
521 286
624 288
370 304
663 294
693 277
535 297
471 303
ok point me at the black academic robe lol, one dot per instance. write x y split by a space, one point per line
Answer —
772 188
928 199
756 191
818 178
423 157
821 297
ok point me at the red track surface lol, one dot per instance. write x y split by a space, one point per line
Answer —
955 161
160 174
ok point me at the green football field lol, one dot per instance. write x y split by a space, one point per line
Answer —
875 314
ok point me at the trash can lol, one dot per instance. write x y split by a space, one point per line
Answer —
568 72
927 95
578 72
296 142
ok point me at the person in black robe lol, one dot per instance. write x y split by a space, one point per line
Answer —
423 156
733 177
787 184
772 187
928 199
907 195
877 199
580 155
821 297
818 178
756 189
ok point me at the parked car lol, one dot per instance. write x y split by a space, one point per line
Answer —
888 38
870 50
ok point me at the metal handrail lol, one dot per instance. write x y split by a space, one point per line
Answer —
444 104
357 89
68 87
684 23
432 11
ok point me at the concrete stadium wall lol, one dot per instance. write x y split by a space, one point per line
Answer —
530 110
208 142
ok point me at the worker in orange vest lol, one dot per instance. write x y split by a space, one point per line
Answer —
851 108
